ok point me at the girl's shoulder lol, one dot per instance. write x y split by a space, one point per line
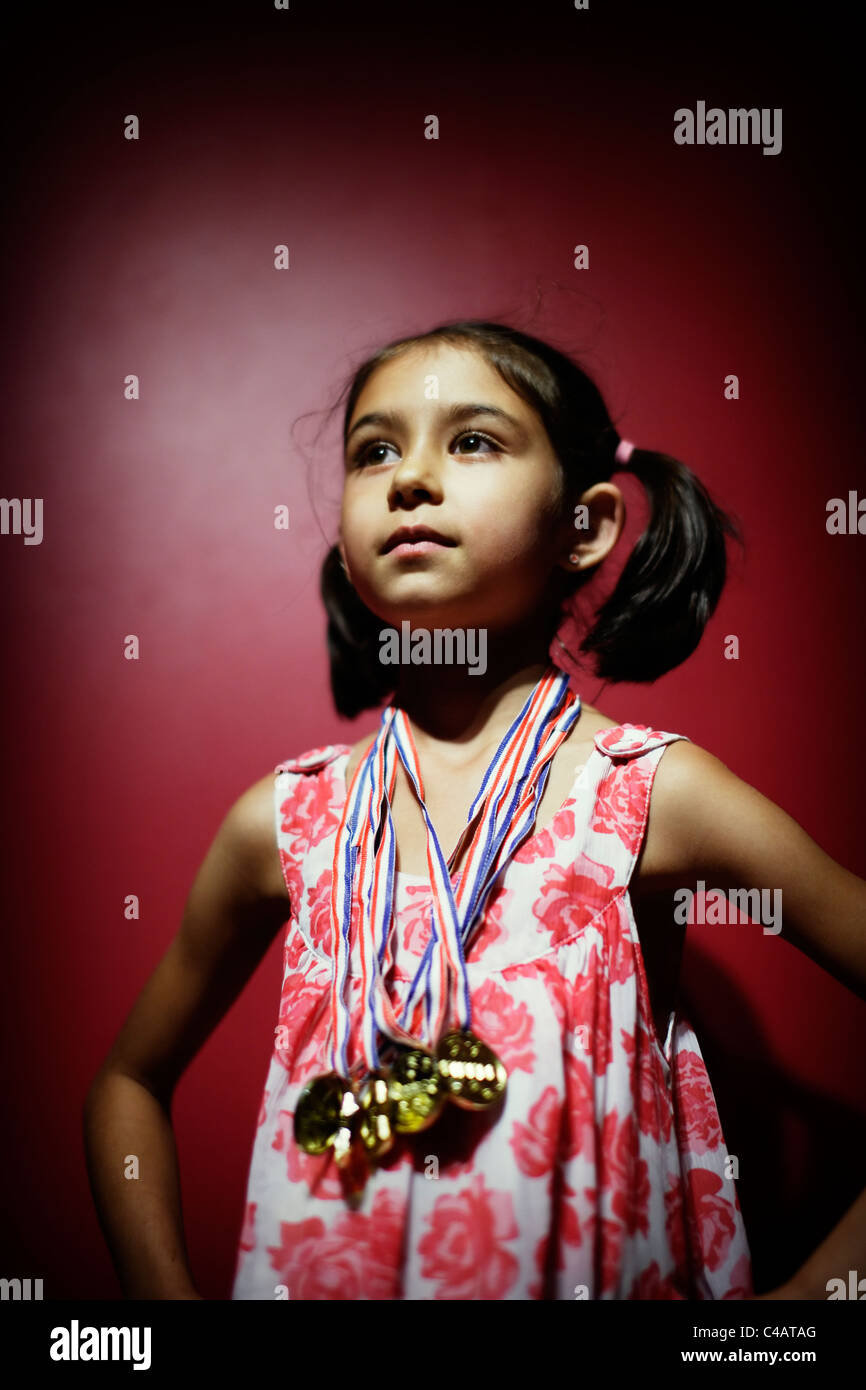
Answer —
692 790
249 823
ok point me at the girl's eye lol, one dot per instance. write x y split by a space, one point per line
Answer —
474 434
362 457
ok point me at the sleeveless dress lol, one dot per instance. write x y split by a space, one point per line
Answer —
602 1174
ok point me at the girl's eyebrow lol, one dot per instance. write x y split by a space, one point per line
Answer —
393 419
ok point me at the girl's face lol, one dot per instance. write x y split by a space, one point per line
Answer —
438 440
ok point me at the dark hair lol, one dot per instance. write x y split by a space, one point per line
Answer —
672 580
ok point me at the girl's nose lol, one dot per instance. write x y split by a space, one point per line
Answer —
416 476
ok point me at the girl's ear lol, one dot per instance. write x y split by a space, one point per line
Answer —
599 517
571 562
570 556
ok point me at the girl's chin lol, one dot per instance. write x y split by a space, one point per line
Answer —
420 607
426 618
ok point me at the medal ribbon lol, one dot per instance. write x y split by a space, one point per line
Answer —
505 808
518 793
502 764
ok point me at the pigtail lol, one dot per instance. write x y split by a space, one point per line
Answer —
359 680
671 582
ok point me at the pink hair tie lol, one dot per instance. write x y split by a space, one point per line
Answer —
624 451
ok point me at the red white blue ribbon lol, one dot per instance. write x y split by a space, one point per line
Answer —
362 891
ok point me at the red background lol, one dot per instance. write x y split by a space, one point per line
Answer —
156 257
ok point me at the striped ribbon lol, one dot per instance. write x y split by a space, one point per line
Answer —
362 889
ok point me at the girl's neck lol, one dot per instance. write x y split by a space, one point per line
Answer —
448 705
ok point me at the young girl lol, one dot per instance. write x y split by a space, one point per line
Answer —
480 1086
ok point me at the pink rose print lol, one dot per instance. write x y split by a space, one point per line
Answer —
491 929
318 1171
604 1107
542 845
319 909
415 923
579 1128
698 1116
299 992
312 1054
301 1038
653 1104
504 1026
589 1019
535 1144
620 805
380 1237
313 808
294 881
463 1250
543 968
623 1172
314 1264
571 896
620 951
710 1217
649 1284
282 1131
359 1258
608 1237
297 955
248 1236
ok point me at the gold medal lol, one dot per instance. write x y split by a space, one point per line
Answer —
472 1074
415 1089
345 1136
324 1110
376 1116
342 1145
351 1160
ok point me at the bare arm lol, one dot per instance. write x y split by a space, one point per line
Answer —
717 827
234 909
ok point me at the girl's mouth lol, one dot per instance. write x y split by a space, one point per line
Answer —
416 548
416 540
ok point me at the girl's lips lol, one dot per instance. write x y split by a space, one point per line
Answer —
420 547
415 535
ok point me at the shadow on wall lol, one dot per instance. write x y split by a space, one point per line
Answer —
802 1153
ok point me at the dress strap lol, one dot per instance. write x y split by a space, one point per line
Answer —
305 810
628 741
631 753
315 759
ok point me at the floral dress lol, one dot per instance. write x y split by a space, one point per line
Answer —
602 1174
